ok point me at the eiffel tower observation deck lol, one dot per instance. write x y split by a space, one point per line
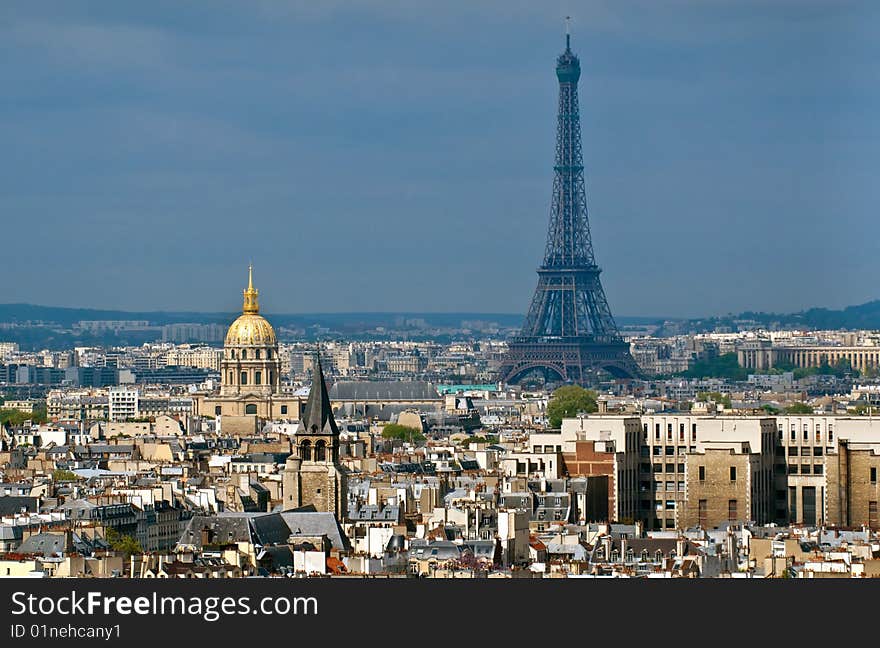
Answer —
569 333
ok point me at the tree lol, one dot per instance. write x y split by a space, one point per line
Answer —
64 475
402 432
798 408
122 543
724 366
715 397
569 401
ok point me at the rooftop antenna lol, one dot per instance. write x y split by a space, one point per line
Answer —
568 32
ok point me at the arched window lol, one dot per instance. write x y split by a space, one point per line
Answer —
232 353
257 354
630 555
258 377
244 354
250 408
231 378
269 354
271 377
615 555
244 377
305 450
320 451
673 554
658 557
644 555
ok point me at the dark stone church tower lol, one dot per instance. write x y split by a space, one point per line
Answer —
312 474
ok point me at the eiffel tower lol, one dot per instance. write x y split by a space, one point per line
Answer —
569 333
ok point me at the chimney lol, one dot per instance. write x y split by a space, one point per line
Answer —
679 546
624 544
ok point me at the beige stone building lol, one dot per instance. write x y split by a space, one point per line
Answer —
763 355
250 371
728 482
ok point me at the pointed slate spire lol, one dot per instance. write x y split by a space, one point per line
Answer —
318 416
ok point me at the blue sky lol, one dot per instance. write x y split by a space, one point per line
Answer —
397 155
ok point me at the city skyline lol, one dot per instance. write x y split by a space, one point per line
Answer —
154 160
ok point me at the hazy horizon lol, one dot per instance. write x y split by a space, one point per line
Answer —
398 159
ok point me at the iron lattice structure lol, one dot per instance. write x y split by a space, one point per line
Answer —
569 333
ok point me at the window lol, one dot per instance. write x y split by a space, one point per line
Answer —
231 378
818 433
805 469
702 473
694 432
818 451
268 354
792 451
644 555
217 410
284 409
805 452
658 468
258 377
244 377
320 451
731 510
681 487
244 354
873 475
733 473
250 408
645 432
792 469
818 469
257 354
670 486
681 431
656 450
681 468
670 468
656 431
830 433
670 450
780 435
670 505
793 433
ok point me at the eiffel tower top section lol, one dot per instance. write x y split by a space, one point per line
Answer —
569 244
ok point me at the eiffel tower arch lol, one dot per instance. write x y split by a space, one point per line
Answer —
569 334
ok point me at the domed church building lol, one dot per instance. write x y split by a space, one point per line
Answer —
250 373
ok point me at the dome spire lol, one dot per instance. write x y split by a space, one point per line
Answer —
251 303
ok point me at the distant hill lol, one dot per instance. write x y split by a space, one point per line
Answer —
862 316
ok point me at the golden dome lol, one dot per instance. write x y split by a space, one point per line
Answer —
251 328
